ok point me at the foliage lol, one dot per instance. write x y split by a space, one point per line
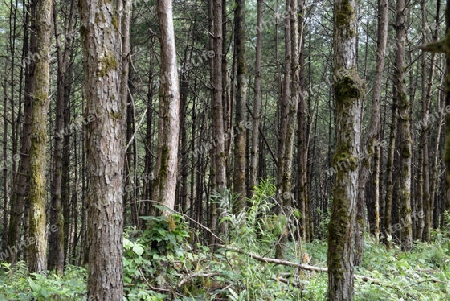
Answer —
17 284
160 264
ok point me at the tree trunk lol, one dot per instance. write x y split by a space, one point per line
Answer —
390 179
348 92
37 251
218 133
21 183
257 100
404 133
57 238
429 186
241 98
169 112
5 162
372 142
105 147
303 139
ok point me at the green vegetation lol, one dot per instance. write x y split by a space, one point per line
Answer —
160 264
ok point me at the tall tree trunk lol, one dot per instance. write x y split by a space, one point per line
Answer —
429 186
124 92
288 117
303 137
390 179
5 162
169 112
257 100
239 176
218 133
37 251
57 238
105 147
372 143
404 134
65 169
348 92
184 153
21 183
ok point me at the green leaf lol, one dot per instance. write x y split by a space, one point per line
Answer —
138 249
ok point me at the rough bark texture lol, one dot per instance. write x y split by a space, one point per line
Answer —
430 185
241 98
348 92
372 138
21 180
169 112
289 106
404 133
37 261
57 238
257 99
387 235
303 138
218 133
105 147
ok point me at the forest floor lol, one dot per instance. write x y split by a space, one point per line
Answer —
167 262
186 273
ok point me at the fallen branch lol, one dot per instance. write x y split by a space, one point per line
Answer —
276 261
308 267
190 276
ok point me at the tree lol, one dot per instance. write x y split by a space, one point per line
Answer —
57 238
218 132
404 134
372 144
348 91
240 110
289 106
37 261
21 181
257 100
105 146
169 111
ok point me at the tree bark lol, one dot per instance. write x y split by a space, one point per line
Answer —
404 133
169 112
101 42
303 138
21 181
372 142
257 100
57 238
348 92
239 175
218 133
289 115
37 251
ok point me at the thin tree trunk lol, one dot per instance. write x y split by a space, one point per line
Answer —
37 251
372 138
257 100
169 112
21 184
218 132
303 137
390 179
57 238
429 186
5 161
239 175
404 133
289 115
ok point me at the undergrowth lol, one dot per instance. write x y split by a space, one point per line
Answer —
163 263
